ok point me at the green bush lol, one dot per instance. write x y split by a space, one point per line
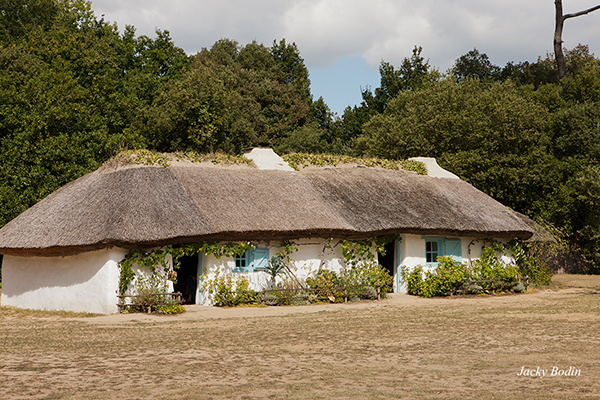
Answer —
451 276
329 282
490 267
326 281
447 277
228 290
369 273
414 279
529 265
148 291
170 309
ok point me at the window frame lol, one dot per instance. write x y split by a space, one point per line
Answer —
439 241
446 247
253 260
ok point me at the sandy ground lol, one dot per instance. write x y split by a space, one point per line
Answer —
479 347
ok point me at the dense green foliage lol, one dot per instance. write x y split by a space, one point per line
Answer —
515 133
229 290
487 274
75 92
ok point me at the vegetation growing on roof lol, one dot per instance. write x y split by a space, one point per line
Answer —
302 160
149 157
215 158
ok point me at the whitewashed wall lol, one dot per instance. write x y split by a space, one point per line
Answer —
306 261
89 281
308 258
413 253
83 282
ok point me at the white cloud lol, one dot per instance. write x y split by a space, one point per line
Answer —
376 30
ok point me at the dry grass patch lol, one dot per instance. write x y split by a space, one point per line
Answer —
398 348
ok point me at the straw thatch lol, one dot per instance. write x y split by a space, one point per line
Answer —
141 206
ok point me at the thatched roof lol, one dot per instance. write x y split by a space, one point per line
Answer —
141 206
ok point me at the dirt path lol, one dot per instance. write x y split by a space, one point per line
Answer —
401 347
195 312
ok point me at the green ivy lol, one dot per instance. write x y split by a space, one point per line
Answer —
357 251
151 259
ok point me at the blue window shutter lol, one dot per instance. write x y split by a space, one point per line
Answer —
261 259
249 258
453 249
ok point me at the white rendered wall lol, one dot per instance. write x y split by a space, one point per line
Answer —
82 282
305 261
413 254
165 282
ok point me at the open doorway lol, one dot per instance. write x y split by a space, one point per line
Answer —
187 278
387 260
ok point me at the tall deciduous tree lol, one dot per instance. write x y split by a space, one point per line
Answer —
475 65
488 134
558 29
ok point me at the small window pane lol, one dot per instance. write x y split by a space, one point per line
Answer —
431 251
240 261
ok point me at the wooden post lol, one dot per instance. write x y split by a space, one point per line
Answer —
378 292
345 294
262 302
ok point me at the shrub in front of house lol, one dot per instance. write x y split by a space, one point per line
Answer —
151 291
230 290
448 276
487 274
372 274
326 282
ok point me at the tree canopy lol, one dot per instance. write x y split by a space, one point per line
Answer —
75 91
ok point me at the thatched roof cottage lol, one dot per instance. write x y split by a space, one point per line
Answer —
63 252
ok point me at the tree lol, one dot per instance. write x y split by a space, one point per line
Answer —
19 17
558 29
412 74
490 135
70 87
475 65
291 68
233 97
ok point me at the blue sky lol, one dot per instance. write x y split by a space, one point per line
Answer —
343 41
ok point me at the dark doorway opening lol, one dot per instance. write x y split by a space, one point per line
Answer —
387 260
187 278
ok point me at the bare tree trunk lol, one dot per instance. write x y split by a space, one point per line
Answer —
558 51
558 29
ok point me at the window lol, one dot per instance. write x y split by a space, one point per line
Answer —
240 262
440 246
433 249
252 260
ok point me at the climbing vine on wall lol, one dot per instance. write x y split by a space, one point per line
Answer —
357 251
156 261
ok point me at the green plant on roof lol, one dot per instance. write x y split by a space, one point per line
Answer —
302 160
149 157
